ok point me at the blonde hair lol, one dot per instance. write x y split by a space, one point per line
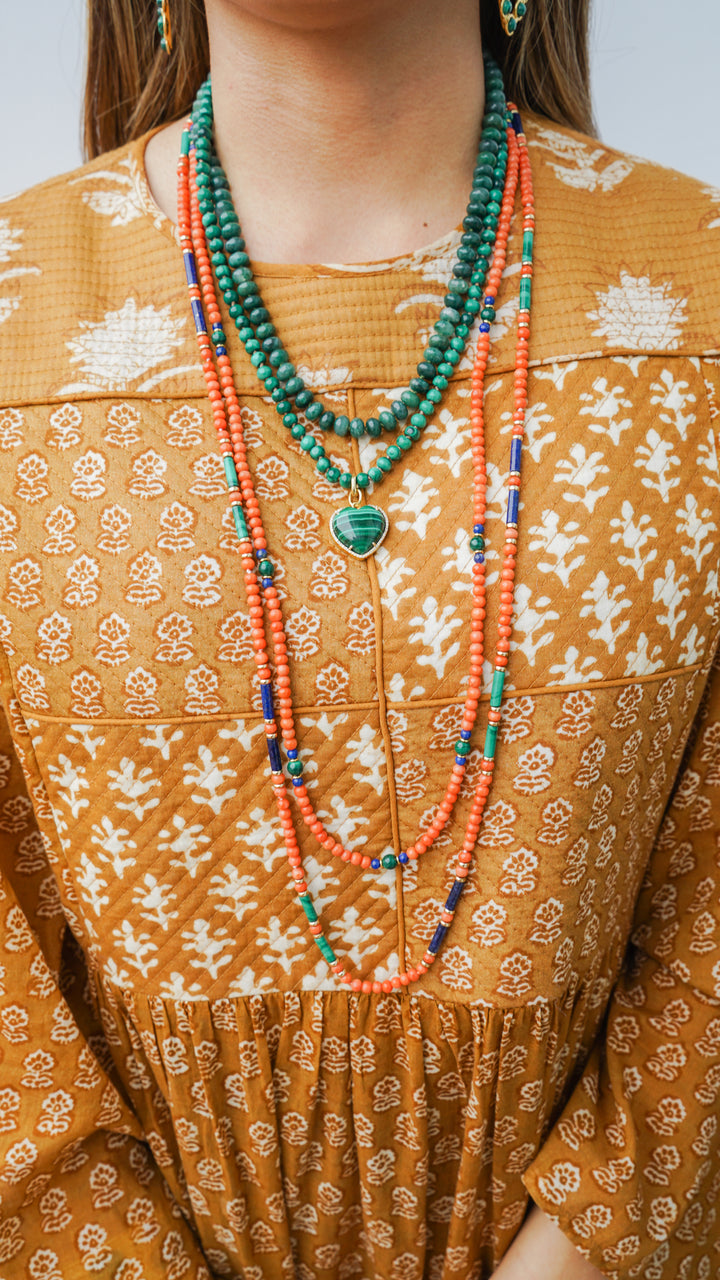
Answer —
132 86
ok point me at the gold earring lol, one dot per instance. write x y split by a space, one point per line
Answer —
511 14
163 22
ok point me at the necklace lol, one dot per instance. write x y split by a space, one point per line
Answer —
255 558
358 528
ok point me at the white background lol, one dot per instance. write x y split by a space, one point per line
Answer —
656 79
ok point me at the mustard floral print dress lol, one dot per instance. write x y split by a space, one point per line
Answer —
184 1092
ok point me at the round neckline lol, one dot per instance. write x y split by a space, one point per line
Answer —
412 260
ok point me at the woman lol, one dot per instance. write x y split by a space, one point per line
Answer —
190 1085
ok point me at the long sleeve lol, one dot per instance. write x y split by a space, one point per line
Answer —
80 1191
631 1170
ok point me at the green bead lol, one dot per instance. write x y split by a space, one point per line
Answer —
308 908
326 421
393 452
286 371
314 411
373 428
316 452
403 442
265 569
389 861
384 464
410 399
322 465
342 424
332 474
434 396
298 431
345 480
462 748
357 428
295 768
307 443
375 474
388 420
362 480
477 543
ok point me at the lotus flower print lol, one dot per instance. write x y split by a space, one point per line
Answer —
123 425
115 353
63 430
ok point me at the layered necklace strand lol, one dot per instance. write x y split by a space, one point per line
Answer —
258 568
361 527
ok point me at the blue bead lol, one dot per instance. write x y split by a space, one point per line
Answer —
297 782
190 268
479 557
437 939
513 506
267 701
461 760
274 754
220 350
375 864
293 755
489 299
478 528
515 454
266 582
454 895
465 735
403 859
484 327
260 555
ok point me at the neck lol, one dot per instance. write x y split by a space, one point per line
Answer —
348 131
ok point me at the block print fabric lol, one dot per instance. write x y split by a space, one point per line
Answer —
183 1089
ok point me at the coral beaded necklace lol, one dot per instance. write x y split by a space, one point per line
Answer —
258 568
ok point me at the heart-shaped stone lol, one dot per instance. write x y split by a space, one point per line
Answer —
359 530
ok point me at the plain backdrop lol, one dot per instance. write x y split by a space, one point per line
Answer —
654 64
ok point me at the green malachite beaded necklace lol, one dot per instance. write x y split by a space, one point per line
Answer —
358 528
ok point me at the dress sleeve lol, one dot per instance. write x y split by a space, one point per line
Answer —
80 1191
631 1170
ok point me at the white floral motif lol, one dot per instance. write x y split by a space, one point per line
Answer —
201 578
59 525
639 314
435 635
112 648
186 842
147 475
208 776
31 483
12 422
177 526
606 606
582 166
123 425
120 201
53 635
558 539
634 537
115 353
185 427
201 689
89 476
209 479
140 689
115 523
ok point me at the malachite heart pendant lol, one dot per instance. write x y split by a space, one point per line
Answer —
359 530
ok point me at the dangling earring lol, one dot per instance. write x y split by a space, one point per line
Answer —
163 22
511 14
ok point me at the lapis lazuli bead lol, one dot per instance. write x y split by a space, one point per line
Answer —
375 864
267 701
266 582
298 782
292 755
515 454
198 316
274 754
220 350
454 895
479 528
403 859
465 735
513 506
437 939
479 557
190 268
462 760
484 327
